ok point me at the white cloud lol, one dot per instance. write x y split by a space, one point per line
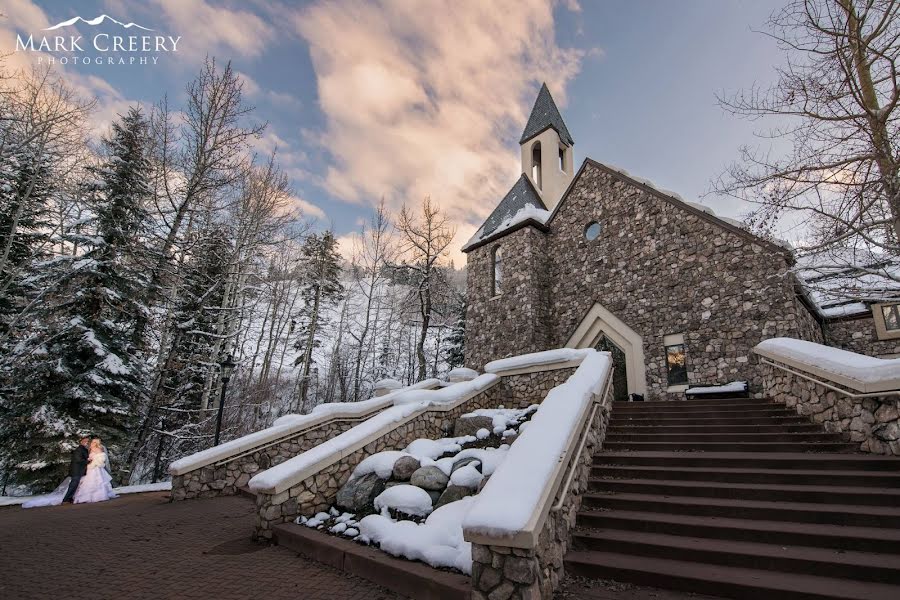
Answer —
429 102
308 208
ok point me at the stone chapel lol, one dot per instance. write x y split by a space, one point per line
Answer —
599 258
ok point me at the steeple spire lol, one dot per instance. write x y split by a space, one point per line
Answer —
544 115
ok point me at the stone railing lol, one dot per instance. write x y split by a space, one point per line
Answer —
848 393
518 548
309 483
226 468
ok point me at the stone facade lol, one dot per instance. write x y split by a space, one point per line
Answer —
858 335
872 422
659 265
227 479
505 573
525 389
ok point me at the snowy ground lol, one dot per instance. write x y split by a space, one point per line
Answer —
162 486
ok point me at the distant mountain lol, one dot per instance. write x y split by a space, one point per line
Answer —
95 21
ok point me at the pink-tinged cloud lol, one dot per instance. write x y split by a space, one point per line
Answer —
214 30
429 100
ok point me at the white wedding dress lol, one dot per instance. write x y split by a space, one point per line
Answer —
95 486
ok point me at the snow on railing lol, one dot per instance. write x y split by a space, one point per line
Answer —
535 465
289 426
407 404
537 361
864 374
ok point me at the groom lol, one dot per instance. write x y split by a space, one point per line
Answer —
77 467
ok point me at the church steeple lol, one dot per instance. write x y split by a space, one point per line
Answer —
547 149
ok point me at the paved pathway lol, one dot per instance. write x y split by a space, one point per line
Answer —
141 546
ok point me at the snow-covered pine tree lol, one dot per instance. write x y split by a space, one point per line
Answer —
455 353
82 372
320 289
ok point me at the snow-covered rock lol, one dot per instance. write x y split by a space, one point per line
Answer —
407 499
358 495
429 478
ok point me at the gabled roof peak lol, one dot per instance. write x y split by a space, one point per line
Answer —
545 114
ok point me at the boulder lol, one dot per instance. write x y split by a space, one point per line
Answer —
434 495
405 467
470 425
358 495
429 478
469 460
452 494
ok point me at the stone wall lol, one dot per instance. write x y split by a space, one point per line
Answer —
225 480
523 390
317 492
502 572
658 266
513 322
872 422
858 335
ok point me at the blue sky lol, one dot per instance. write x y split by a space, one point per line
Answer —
399 99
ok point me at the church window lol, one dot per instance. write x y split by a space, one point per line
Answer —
592 231
497 277
676 366
891 314
562 159
536 164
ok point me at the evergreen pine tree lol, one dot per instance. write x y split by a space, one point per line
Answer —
320 289
82 373
455 354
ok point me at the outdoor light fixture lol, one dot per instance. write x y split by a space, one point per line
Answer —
227 365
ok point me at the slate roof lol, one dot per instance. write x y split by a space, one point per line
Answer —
544 115
521 194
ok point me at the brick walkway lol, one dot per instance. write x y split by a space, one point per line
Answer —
142 546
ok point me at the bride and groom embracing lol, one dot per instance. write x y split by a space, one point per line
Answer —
88 481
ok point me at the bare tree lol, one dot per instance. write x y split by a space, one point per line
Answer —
424 242
835 106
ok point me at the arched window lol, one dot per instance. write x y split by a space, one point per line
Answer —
536 164
497 278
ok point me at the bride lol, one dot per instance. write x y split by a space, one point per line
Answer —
93 487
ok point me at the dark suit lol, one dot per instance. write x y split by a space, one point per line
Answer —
77 469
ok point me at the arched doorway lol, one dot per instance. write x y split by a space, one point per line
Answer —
620 368
599 326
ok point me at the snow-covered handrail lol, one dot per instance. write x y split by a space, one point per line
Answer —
290 426
407 405
857 372
538 361
536 463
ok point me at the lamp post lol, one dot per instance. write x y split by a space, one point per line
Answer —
227 365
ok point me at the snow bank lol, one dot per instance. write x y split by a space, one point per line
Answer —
407 403
735 387
407 499
862 373
535 461
438 541
536 359
461 374
287 426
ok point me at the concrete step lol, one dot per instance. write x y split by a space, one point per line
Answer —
828 562
409 578
708 411
819 535
692 402
794 512
616 435
752 460
626 428
732 446
622 420
875 479
815 494
733 582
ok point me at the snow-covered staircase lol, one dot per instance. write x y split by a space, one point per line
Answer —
738 498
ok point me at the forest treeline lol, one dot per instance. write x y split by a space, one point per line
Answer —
133 265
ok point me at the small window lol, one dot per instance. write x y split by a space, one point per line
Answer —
592 231
676 367
497 278
536 165
562 159
891 314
